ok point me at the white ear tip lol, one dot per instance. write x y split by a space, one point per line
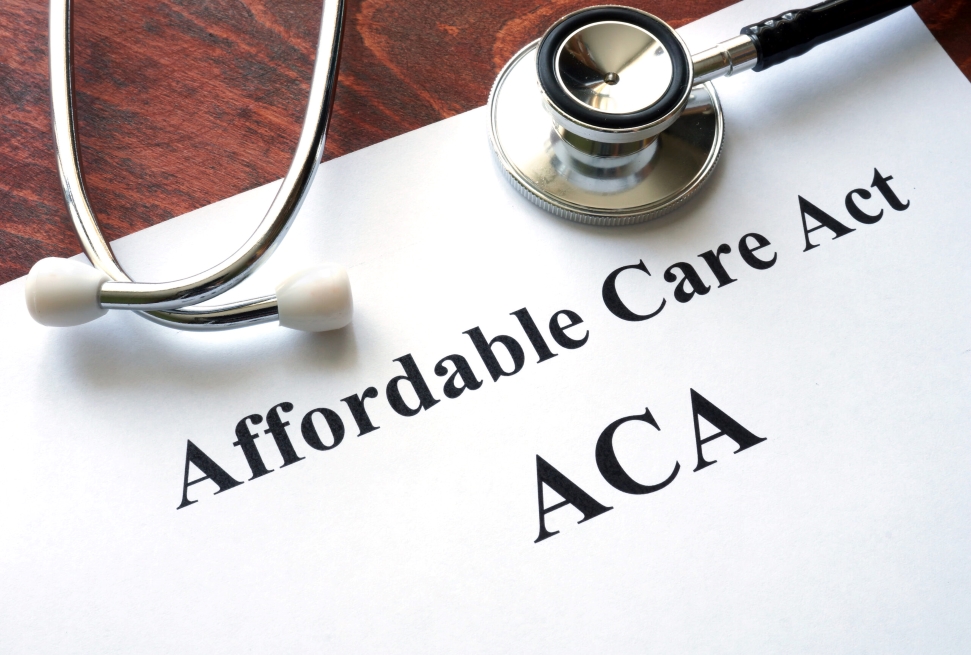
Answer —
316 300
63 292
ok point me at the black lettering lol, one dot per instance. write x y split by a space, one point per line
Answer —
572 495
534 335
278 428
413 377
824 220
484 348
462 371
610 467
748 252
356 405
247 441
711 258
880 183
616 305
558 332
729 428
691 278
856 212
210 471
309 430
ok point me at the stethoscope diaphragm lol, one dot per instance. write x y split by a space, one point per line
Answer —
617 134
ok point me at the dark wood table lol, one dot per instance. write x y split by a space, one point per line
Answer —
184 102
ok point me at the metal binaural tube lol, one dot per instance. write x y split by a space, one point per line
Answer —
121 292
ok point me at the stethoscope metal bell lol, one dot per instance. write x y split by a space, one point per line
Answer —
609 120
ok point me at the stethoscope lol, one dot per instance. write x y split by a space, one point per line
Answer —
607 120
62 292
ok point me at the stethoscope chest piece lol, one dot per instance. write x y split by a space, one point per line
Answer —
599 121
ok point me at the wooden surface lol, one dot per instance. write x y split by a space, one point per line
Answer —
184 102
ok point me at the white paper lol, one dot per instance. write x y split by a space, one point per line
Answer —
847 530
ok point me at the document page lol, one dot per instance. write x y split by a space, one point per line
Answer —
741 428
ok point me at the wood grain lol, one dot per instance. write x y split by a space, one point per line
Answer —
184 102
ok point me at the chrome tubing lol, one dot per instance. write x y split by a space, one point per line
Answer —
725 59
123 293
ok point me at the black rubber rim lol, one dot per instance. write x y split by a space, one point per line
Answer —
546 55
